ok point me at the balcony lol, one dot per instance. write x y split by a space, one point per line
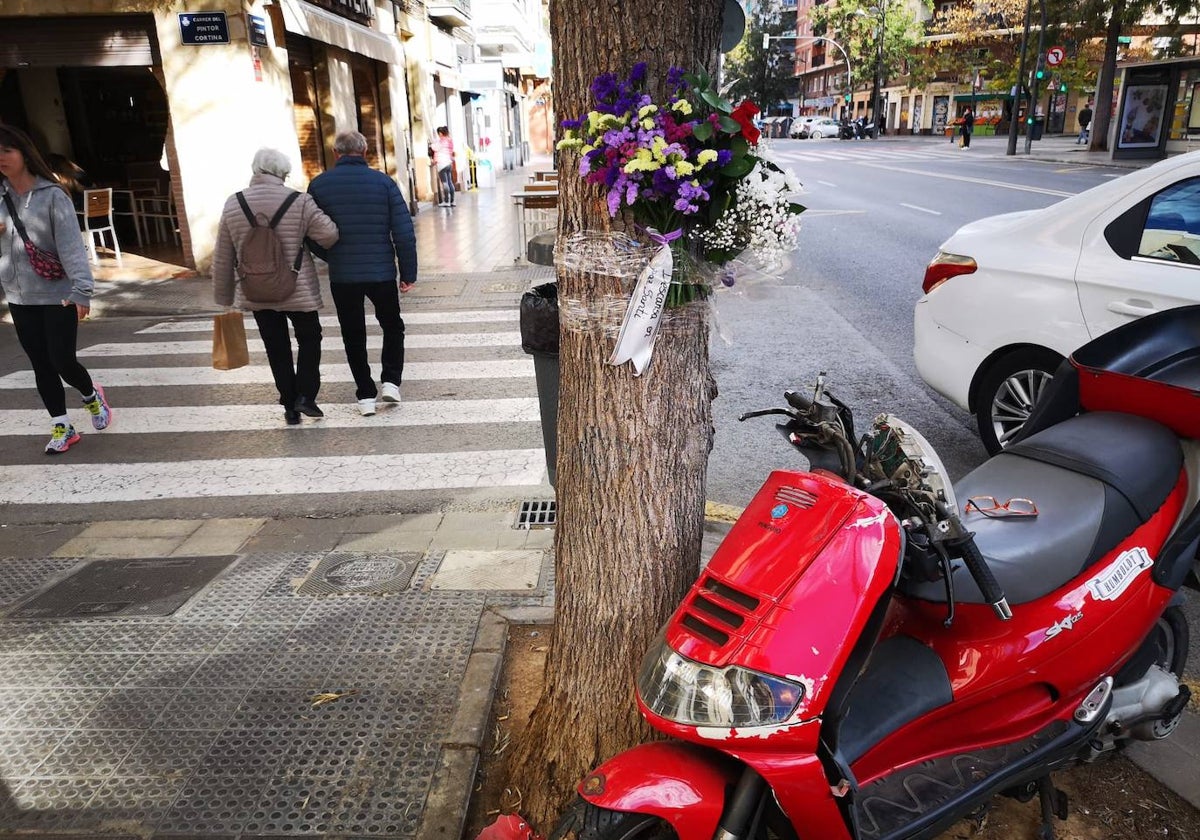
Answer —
450 12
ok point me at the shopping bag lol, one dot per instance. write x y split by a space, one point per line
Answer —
229 342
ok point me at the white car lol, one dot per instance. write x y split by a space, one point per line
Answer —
799 128
821 127
1007 298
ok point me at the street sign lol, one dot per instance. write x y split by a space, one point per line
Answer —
1055 56
203 28
256 29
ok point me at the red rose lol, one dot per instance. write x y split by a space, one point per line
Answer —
744 115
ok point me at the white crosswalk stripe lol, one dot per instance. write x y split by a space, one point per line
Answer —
179 348
261 374
146 456
846 152
482 316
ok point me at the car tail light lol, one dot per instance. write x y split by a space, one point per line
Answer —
944 266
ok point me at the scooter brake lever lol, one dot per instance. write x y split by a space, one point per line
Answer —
763 412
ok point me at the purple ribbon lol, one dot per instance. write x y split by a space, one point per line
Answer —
662 238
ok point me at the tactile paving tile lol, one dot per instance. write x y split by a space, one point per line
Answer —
129 802
128 708
26 670
23 577
229 670
173 753
164 670
191 638
302 669
202 708
304 806
219 802
53 708
44 804
75 637
22 750
97 670
129 638
94 753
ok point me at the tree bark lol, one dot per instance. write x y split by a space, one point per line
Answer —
632 451
1102 112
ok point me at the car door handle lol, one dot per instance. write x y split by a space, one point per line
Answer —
1135 307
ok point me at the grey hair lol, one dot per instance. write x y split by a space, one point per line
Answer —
349 143
271 162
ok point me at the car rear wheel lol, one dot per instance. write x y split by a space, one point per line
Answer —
1008 392
816 135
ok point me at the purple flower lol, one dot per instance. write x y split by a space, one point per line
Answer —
675 78
638 74
724 156
572 124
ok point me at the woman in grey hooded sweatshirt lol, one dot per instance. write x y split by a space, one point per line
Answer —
46 313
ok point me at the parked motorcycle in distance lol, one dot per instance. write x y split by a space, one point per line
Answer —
873 653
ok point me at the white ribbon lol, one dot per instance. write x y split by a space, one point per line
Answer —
635 342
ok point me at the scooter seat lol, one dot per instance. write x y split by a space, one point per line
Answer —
1094 478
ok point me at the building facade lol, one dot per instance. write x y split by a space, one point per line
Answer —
167 101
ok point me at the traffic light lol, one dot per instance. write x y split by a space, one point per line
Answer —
1063 87
1040 72
847 99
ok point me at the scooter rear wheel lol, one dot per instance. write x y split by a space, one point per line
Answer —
1166 646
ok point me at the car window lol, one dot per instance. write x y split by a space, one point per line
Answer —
1172 228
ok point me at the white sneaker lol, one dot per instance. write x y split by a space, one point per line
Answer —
390 392
366 407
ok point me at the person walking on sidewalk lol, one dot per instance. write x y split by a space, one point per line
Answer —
375 235
1085 119
48 283
443 159
301 219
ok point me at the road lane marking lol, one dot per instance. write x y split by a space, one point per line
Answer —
828 184
977 181
112 378
810 213
247 418
922 209
374 342
45 484
447 317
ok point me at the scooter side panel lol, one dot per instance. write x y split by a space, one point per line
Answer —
682 784
1010 679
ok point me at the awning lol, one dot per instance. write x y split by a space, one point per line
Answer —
982 97
328 28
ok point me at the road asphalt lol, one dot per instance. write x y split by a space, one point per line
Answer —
211 720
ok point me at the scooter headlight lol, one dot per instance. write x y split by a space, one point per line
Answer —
687 692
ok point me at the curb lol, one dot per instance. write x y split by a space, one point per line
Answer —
449 798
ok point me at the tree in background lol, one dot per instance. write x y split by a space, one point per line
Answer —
762 70
633 451
855 25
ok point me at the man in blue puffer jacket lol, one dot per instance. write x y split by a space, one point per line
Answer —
375 233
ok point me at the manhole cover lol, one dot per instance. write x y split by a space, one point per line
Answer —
342 573
537 515
125 588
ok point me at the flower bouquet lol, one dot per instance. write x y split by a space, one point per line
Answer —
690 172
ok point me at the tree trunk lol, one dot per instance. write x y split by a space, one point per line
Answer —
632 451
1102 112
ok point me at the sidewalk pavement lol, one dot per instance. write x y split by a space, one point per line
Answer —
205 721
1052 148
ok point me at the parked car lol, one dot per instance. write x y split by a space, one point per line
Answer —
821 127
799 129
1007 298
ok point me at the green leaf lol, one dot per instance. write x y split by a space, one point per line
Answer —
730 125
739 168
693 80
702 131
715 102
704 79
740 146
797 209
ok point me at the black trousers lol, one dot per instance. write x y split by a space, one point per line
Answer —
48 335
304 378
349 299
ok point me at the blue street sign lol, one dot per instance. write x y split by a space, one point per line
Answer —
203 28
257 28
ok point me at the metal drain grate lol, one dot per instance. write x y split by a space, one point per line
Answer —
537 515
125 588
343 573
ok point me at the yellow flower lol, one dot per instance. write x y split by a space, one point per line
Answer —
656 148
569 143
647 123
647 110
642 162
682 106
608 121
683 168
706 156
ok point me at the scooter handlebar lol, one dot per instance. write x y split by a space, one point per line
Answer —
982 573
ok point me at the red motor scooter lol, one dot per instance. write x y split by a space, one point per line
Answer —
873 653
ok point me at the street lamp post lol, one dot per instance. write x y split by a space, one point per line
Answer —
815 39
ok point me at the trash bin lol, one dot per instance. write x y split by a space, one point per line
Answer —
485 174
1035 130
539 338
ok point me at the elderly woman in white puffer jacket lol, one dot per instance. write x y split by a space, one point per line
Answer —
298 384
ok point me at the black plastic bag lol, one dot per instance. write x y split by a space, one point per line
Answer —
539 319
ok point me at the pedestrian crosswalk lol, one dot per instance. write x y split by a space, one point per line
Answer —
469 419
816 151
